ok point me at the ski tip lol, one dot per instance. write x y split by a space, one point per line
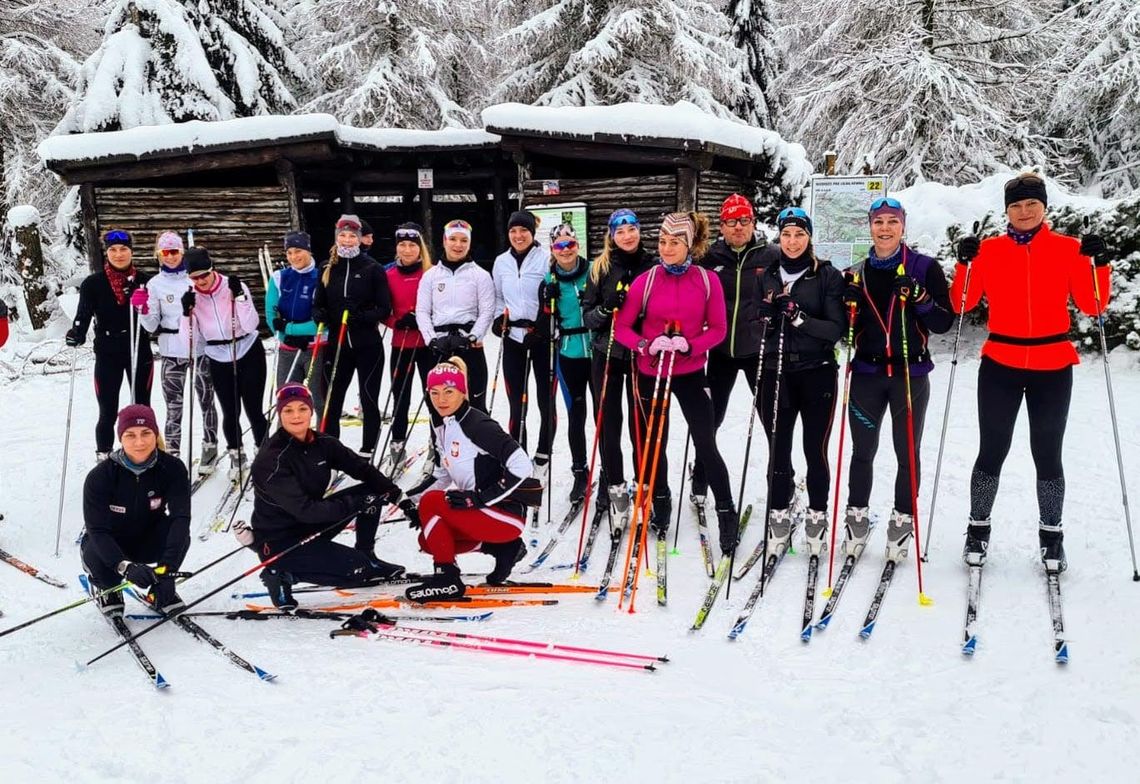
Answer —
824 620
925 600
1062 655
160 682
805 635
265 676
865 632
970 647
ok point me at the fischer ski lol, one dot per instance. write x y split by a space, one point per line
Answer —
745 616
121 628
662 579
706 543
30 570
616 537
973 599
836 592
877 600
1060 645
809 598
591 537
719 578
217 519
571 515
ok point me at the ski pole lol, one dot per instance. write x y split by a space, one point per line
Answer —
190 426
316 353
600 407
681 492
133 341
748 448
1112 416
499 360
252 570
552 420
237 387
332 373
66 449
923 599
392 380
946 408
771 447
843 412
408 372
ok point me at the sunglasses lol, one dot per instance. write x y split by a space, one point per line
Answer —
793 212
200 275
117 237
624 218
407 234
291 392
734 222
458 224
565 244
1030 179
886 201
170 252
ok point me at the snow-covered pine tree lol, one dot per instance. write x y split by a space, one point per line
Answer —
919 90
1096 107
165 61
753 33
389 64
586 52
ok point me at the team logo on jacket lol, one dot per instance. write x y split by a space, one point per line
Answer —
170 299
440 286
155 503
118 509
455 449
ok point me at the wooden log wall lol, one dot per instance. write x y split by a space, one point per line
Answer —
714 187
232 223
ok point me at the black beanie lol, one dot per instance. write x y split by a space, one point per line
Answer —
523 218
365 228
1026 186
197 260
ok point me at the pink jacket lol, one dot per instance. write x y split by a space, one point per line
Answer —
694 299
403 286
212 321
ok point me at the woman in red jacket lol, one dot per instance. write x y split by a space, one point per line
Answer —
1027 276
413 258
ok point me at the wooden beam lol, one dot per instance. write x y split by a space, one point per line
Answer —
288 179
687 188
90 220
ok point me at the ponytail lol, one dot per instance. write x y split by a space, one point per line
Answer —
601 265
333 259
701 234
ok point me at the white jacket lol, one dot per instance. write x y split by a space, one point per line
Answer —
516 287
446 297
164 306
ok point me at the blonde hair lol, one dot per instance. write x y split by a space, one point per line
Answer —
601 266
425 253
157 237
701 235
458 363
333 259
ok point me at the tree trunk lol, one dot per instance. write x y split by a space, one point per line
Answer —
30 266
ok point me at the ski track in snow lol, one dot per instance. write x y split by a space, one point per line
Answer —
766 708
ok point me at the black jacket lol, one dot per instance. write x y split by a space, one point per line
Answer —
290 478
819 293
624 267
112 320
738 277
359 286
121 509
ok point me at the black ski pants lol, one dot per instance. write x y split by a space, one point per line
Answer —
405 364
516 359
247 392
721 372
574 378
619 378
871 395
808 395
367 363
110 371
147 549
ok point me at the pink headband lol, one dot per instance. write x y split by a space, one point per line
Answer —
445 375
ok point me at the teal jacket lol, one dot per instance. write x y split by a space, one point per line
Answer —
575 338
290 295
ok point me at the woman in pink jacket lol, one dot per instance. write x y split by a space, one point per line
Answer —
678 306
237 360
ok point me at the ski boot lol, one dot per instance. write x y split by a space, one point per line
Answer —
381 570
506 555
698 491
164 597
390 462
578 489
446 583
542 469
208 460
110 604
977 543
1052 540
239 466
279 584
858 526
900 529
661 514
815 532
728 521
781 526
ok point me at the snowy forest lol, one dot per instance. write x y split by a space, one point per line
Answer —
945 91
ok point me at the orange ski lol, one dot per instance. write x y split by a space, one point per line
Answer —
382 602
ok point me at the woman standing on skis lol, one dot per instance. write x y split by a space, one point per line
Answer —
455 303
409 351
622 259
1027 275
477 497
291 476
289 310
518 275
894 287
565 284
169 303
353 290
108 296
674 315
225 330
799 302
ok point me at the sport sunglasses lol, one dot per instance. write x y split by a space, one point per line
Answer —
886 201
565 244
117 237
793 212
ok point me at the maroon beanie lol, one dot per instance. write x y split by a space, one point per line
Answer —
136 415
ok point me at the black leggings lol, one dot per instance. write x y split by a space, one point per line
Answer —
250 391
613 459
721 372
367 362
515 361
403 361
1047 394
810 395
871 395
691 392
110 370
574 378
147 548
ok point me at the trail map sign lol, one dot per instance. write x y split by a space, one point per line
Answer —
550 215
839 207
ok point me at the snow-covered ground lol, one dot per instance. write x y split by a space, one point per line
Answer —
904 705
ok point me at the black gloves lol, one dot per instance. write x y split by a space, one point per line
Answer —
446 345
72 338
408 507
140 574
551 290
188 300
464 499
614 299
1093 245
164 597
407 321
279 324
908 288
234 282
968 248
299 342
789 307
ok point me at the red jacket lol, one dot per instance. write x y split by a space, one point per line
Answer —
1028 288
403 287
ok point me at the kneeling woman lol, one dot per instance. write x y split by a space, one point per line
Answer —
477 498
291 475
136 509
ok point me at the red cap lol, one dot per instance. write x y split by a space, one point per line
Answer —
736 207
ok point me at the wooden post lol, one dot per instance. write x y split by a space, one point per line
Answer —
286 175
829 160
90 226
29 254
347 202
426 216
687 179
499 207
